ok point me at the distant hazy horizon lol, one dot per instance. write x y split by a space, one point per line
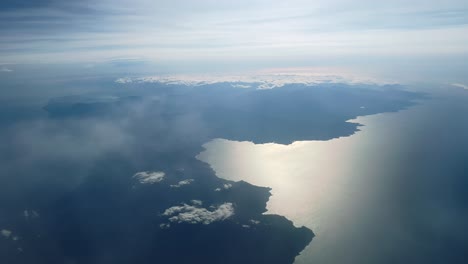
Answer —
408 41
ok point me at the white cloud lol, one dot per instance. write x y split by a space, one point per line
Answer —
460 85
6 233
255 222
195 215
251 222
30 214
182 183
226 186
148 177
197 202
124 80
164 225
5 69
240 86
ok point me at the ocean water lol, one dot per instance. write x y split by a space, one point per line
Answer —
394 192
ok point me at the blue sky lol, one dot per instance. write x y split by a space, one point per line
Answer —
208 32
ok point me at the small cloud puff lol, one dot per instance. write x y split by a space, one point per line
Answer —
197 202
251 222
226 186
9 234
182 183
6 233
30 214
124 80
255 222
148 177
196 215
164 225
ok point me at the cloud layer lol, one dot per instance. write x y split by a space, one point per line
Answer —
265 79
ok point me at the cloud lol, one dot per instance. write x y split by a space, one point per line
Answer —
182 183
230 33
460 85
6 233
240 86
84 139
255 222
5 69
148 177
196 215
87 141
197 202
30 214
164 225
226 186
124 80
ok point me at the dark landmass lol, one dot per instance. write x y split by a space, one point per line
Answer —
91 209
113 218
282 115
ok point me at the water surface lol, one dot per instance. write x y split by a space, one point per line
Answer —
389 193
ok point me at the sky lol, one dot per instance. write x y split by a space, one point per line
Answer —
212 34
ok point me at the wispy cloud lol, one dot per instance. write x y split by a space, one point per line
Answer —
460 85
